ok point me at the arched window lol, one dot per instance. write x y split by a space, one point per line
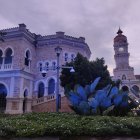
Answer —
47 66
1 58
27 58
41 90
54 65
51 86
136 88
40 66
3 94
72 57
136 91
8 56
123 77
66 57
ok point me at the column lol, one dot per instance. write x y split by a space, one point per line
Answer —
12 85
2 67
46 91
31 90
21 87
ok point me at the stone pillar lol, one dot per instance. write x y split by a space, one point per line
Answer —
12 84
46 91
14 106
21 87
2 67
31 90
28 106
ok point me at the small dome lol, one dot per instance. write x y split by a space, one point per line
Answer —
120 38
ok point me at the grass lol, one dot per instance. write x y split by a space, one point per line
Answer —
62 124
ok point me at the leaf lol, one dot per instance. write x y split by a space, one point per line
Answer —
107 87
124 104
100 95
87 90
117 99
74 99
94 84
93 103
84 108
108 110
114 91
81 92
106 102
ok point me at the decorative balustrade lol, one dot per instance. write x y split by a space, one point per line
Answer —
5 67
44 99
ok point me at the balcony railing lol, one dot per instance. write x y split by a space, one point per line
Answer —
5 67
44 99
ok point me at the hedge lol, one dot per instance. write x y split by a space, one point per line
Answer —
63 124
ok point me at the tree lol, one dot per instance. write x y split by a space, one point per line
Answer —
85 73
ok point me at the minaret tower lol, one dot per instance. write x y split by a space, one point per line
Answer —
122 71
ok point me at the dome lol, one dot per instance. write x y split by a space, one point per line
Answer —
120 37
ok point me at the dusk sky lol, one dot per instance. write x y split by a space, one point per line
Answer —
96 20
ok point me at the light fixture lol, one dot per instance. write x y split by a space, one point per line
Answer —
58 50
72 70
43 72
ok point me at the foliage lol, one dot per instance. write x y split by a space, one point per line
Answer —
85 72
107 101
62 124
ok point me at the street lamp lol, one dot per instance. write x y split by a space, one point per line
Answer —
58 51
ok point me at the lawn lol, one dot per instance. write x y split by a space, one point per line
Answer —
62 124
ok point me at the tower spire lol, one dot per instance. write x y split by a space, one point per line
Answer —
119 31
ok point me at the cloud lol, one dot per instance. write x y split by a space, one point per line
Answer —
96 20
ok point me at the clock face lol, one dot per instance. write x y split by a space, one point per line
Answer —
121 49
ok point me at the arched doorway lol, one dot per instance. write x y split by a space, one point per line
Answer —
125 89
41 90
3 94
51 86
25 101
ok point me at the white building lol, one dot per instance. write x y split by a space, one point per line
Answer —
23 55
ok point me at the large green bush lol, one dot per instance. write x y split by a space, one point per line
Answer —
61 124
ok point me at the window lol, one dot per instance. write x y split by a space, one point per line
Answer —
136 88
3 94
40 66
47 66
66 57
51 86
1 59
123 77
8 56
54 65
40 90
72 57
27 58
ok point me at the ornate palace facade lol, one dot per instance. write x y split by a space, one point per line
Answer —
23 55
